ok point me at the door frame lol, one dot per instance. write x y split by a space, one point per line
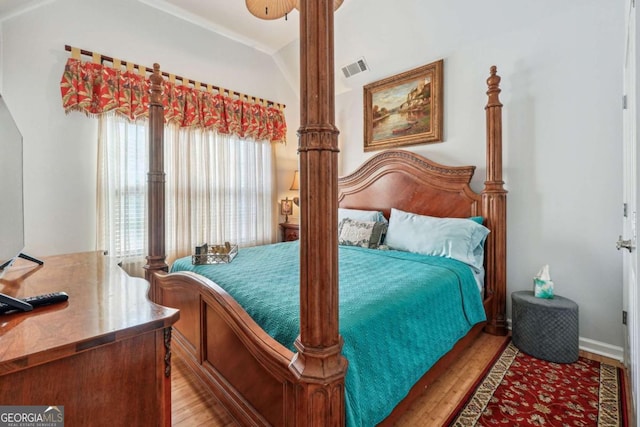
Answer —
631 185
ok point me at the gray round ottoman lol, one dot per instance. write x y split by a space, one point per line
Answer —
545 328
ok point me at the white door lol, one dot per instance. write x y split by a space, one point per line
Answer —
628 241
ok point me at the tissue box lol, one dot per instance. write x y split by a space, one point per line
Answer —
542 288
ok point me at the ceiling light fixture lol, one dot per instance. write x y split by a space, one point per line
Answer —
276 9
270 9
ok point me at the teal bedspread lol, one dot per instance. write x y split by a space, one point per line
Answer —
418 306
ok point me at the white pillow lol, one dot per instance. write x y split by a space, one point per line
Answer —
457 238
360 215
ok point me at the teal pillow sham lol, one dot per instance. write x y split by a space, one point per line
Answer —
477 219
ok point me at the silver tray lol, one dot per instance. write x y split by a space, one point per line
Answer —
214 254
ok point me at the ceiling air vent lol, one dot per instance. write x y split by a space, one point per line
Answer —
357 67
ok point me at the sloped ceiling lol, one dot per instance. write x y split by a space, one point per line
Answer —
226 17
11 8
278 38
231 19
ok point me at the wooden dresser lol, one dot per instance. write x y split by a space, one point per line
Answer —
104 354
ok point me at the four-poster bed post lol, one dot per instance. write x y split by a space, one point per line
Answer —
319 364
156 259
494 209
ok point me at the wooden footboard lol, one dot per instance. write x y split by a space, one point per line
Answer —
246 369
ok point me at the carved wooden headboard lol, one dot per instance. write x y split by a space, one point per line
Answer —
404 180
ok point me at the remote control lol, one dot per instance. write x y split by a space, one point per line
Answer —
15 303
37 301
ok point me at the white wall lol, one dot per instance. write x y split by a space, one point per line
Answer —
59 149
560 64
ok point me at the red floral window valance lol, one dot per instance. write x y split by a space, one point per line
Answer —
95 89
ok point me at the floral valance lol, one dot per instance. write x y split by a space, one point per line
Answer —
96 89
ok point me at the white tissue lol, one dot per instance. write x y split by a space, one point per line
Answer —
543 274
542 283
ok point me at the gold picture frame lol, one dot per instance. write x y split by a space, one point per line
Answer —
405 109
286 208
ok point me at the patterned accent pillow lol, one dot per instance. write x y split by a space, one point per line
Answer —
366 234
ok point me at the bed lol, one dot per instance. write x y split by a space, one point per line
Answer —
385 296
303 380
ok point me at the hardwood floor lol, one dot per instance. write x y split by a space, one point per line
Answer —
444 395
193 404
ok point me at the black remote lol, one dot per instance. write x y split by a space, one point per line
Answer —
15 303
38 300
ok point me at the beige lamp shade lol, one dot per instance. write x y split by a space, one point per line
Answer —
270 9
295 184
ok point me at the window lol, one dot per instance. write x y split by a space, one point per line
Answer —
122 187
218 188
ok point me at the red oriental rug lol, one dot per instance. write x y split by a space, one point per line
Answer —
520 390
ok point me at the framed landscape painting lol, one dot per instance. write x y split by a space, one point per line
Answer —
405 109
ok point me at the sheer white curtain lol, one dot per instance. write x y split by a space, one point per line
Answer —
122 197
219 188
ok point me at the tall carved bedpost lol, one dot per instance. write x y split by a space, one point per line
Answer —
318 364
494 208
155 180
